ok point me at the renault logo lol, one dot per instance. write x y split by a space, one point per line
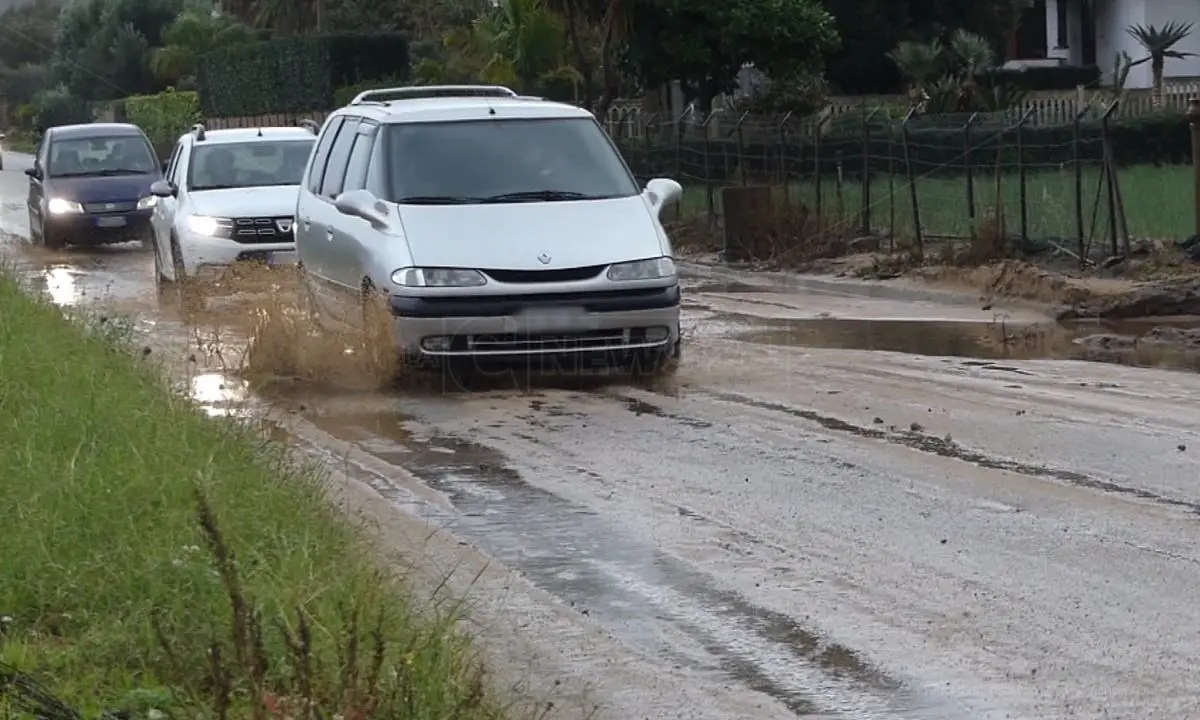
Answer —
544 259
110 206
284 225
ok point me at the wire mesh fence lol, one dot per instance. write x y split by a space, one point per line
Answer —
926 181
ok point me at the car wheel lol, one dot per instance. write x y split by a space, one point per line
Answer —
52 239
161 281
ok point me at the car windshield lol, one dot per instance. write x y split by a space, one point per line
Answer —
101 155
248 164
503 161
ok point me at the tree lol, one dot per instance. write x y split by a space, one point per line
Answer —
196 31
101 47
27 33
705 43
1157 42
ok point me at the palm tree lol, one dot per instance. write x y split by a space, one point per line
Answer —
1157 42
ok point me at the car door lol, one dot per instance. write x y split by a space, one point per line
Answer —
346 257
166 208
311 221
333 249
37 188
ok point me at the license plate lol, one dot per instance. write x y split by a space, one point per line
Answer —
554 319
110 222
283 257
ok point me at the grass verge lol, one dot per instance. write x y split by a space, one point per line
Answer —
153 559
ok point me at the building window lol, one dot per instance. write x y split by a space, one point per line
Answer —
1061 42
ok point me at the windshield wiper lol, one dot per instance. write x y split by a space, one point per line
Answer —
123 171
437 200
536 196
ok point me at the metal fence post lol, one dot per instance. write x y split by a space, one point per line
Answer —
969 171
783 159
1078 163
1193 117
708 184
817 170
1110 178
741 148
1022 179
866 170
912 188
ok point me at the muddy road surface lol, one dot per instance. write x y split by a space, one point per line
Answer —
851 501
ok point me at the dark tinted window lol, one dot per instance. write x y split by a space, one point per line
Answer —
248 164
101 155
339 156
360 155
322 155
474 161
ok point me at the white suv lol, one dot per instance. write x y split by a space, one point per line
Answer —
496 225
229 195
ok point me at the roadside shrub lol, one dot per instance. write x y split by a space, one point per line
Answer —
58 106
295 74
163 117
344 94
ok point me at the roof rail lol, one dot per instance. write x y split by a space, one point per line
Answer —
309 125
198 129
431 91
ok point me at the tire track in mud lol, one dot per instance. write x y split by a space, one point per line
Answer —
649 599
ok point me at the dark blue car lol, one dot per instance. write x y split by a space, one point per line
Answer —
90 185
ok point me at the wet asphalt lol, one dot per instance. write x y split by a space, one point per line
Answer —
845 504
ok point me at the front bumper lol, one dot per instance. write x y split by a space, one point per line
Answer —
201 252
103 227
515 326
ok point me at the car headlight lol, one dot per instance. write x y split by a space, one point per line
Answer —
652 269
58 206
438 277
147 202
203 225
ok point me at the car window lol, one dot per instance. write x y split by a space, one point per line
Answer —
478 160
173 164
256 163
101 155
339 156
360 155
321 155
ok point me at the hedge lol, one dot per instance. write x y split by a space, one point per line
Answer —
295 74
937 151
163 117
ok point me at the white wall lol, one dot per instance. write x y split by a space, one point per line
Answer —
1161 12
1112 19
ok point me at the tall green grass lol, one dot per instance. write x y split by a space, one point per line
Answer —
153 558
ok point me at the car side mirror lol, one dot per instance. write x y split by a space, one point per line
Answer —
363 204
162 189
661 192
34 173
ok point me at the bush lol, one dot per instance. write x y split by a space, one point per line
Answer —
936 147
295 74
344 94
59 107
163 117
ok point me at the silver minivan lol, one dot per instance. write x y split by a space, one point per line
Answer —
497 226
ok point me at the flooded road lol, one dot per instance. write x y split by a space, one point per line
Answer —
842 506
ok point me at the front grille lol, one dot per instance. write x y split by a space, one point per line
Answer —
545 276
543 343
254 230
110 207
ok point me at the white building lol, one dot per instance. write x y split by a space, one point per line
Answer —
1085 32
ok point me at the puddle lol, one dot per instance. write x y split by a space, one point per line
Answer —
219 395
990 340
646 598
